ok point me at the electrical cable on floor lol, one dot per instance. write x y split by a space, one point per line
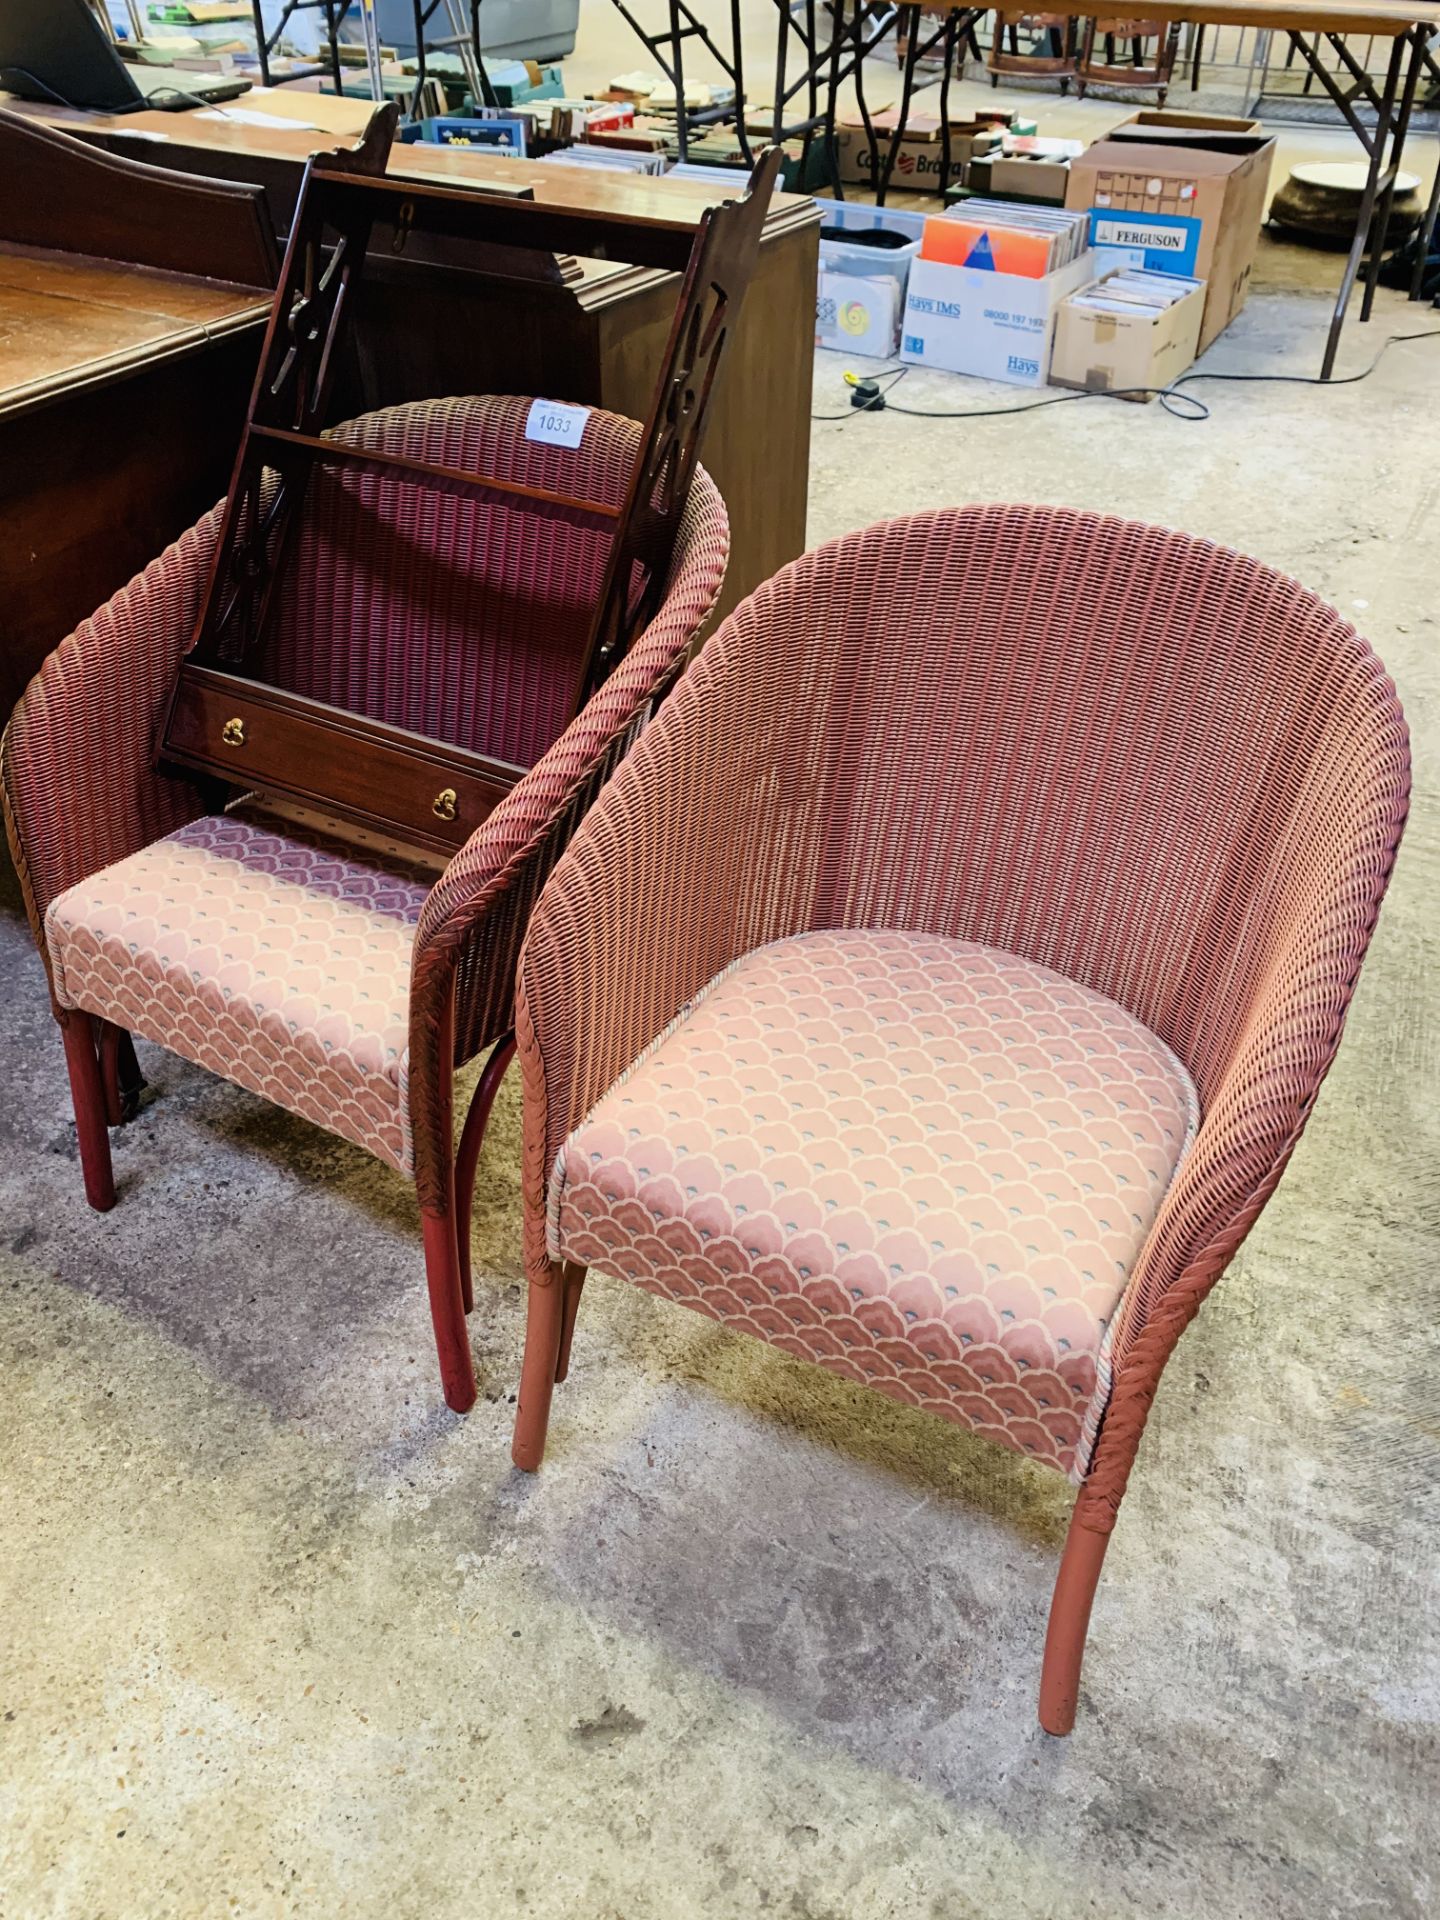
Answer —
864 404
1183 406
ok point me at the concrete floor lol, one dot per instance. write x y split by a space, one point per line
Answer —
282 1637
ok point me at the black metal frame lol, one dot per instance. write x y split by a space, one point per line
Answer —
265 44
682 26
855 32
957 25
336 12
1384 145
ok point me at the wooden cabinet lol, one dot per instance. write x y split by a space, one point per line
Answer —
124 378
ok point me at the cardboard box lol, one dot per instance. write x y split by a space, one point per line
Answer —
1224 192
855 315
1020 176
1102 352
995 325
916 165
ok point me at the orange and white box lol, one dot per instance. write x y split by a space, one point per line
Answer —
950 240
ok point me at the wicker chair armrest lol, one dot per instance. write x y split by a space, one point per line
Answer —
1258 1109
690 858
80 786
508 857
514 849
472 925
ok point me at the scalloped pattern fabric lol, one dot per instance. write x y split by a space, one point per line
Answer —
924 1163
265 950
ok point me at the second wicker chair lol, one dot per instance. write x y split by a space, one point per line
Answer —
332 975
940 988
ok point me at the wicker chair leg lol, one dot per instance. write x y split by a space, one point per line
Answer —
467 1159
574 1286
120 1074
1075 1584
87 1092
110 1071
543 1332
447 1308
132 1081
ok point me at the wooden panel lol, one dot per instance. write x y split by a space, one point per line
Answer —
641 200
757 441
68 321
99 481
121 284
47 339
60 189
468 486
258 736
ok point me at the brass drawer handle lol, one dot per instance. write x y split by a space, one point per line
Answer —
233 733
445 803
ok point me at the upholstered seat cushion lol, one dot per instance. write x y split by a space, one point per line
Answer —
924 1163
265 950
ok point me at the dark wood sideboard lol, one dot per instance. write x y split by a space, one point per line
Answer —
132 303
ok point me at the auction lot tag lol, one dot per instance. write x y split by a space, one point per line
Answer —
554 424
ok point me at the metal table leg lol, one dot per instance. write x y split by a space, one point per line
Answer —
812 90
909 17
866 122
952 43
737 78
371 34
677 55
1377 147
260 44
1425 236
836 10
332 40
422 20
782 12
487 96
1381 225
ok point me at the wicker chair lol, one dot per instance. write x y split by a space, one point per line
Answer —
939 989
336 976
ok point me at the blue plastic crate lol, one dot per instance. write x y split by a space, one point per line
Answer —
459 130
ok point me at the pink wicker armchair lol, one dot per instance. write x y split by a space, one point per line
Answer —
336 976
939 989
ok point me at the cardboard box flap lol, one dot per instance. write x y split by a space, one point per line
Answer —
1169 163
1218 133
